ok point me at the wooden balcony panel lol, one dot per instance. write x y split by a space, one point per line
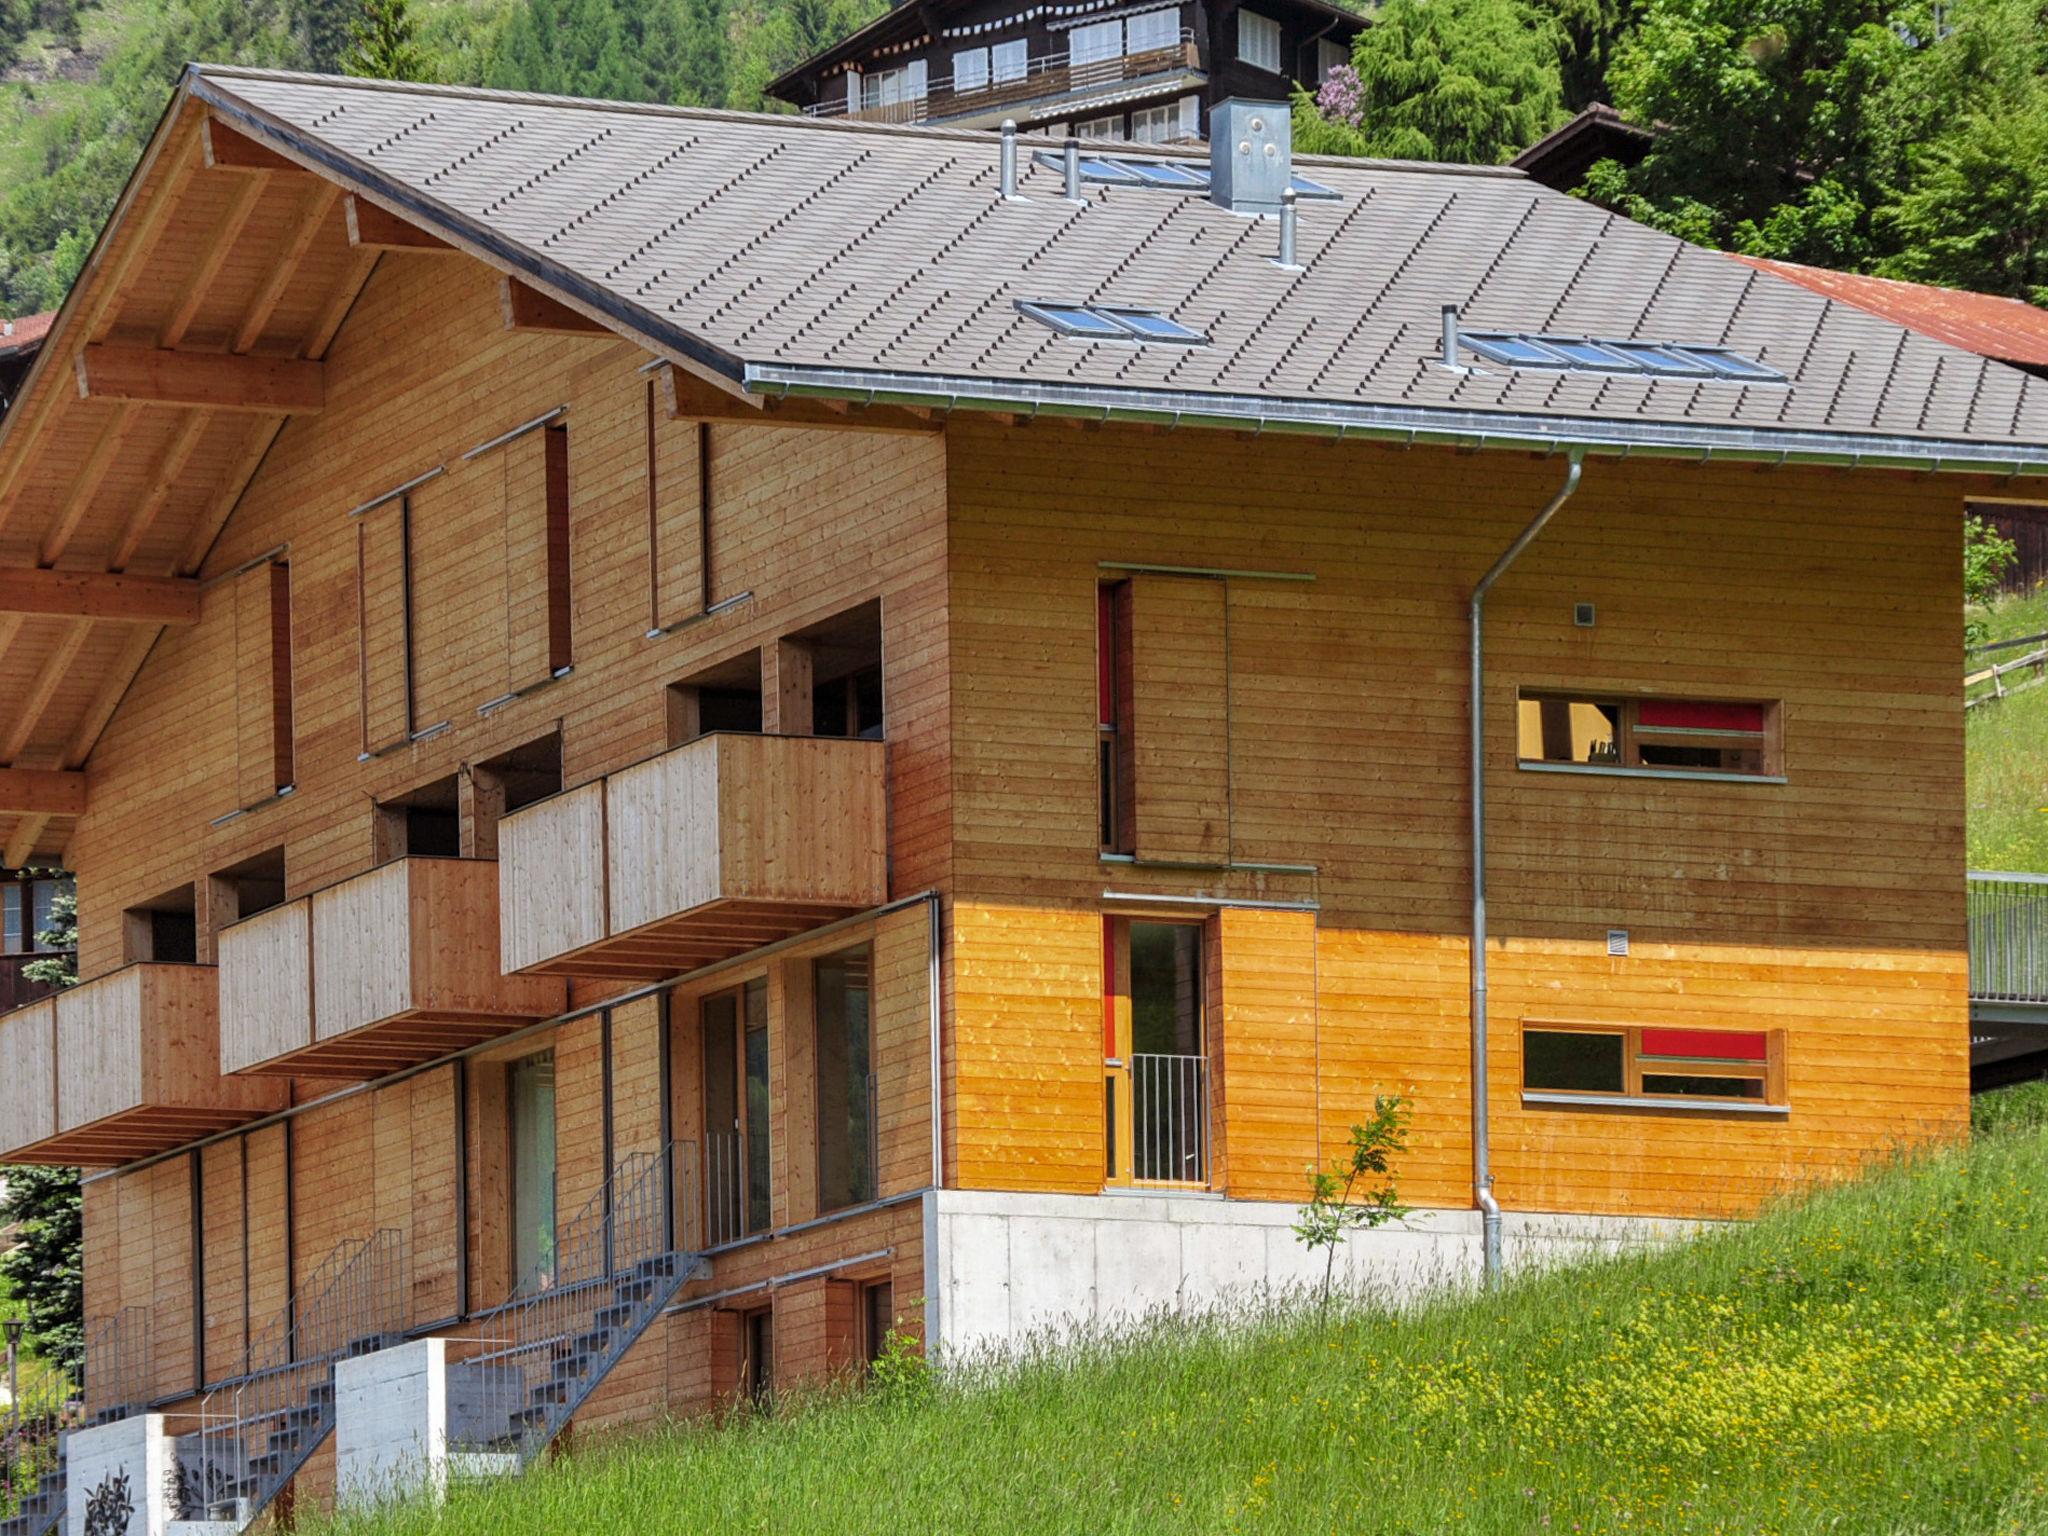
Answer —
28 1079
381 972
700 854
136 1059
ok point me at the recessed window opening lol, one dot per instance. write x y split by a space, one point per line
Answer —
734 1027
1744 1066
845 658
878 1317
498 786
844 1064
1104 322
1678 735
422 823
254 885
1156 1052
757 1367
725 697
1578 354
1115 758
165 929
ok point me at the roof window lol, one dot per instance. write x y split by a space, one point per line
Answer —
1579 354
1163 175
1105 322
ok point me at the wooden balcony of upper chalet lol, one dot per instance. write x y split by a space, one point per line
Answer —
122 1067
380 972
709 850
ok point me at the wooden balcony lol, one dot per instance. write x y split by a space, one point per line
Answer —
378 973
1049 77
120 1068
705 852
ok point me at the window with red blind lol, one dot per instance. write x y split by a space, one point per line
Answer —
1650 1062
1705 736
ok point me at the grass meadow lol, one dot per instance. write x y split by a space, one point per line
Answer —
1874 1359
2007 752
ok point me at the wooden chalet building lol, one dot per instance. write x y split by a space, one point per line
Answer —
684 735
1148 71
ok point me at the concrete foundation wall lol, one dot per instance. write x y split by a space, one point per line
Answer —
116 1478
391 1424
1004 1267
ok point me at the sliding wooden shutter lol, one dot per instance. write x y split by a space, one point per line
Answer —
677 483
263 682
537 555
384 624
1180 718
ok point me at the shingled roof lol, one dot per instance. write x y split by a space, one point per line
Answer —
879 262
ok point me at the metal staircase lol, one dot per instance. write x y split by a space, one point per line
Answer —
258 1428
537 1358
33 1455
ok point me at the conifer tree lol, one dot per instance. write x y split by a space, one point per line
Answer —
384 43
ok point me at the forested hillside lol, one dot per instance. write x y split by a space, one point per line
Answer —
1905 137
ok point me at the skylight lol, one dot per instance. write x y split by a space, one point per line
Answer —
1106 322
1580 354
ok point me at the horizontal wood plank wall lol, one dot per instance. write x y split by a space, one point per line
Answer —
1830 906
1262 1047
1180 717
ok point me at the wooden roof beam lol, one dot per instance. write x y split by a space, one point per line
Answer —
274 386
528 309
370 228
692 399
89 595
229 149
41 792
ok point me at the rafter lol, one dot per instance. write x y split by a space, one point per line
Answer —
92 474
229 149
29 711
226 495
691 399
127 662
211 380
370 228
91 595
163 479
220 245
41 792
313 213
321 336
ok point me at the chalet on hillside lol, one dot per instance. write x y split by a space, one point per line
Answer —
1148 71
689 739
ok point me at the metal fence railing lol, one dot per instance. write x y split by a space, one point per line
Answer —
1170 1119
119 1366
258 1428
616 1264
2008 937
32 1430
725 1187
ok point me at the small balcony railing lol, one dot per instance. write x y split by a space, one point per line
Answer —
1170 1119
702 853
375 974
2008 938
1053 74
119 1068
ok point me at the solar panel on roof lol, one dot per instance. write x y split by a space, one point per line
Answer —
1075 320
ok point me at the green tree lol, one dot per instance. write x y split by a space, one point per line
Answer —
1460 80
45 1271
1361 1194
384 43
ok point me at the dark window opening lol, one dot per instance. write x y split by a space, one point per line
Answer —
845 1080
500 785
1115 765
422 823
726 697
757 1370
878 1318
1574 1061
842 657
244 889
165 929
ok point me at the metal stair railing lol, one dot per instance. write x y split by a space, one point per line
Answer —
257 1429
2008 916
119 1366
32 1459
616 1265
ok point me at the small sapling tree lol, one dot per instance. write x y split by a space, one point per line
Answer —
1358 1191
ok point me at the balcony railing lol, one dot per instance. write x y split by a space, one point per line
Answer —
2008 938
119 1068
702 853
1053 74
1170 1119
391 968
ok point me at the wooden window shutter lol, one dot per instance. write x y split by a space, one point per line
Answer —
263 682
1180 718
384 624
537 555
678 497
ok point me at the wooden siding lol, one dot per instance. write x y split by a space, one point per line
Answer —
1180 718
28 1076
266 986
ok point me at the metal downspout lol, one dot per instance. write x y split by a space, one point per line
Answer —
1482 1161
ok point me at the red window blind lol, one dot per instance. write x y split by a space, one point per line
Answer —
1697 716
1719 1044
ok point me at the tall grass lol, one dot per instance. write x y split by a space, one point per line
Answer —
1873 1360
2006 752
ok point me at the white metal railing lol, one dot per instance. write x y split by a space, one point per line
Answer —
1047 74
256 1429
2008 937
615 1265
1170 1119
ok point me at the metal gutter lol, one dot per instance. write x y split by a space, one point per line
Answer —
1405 424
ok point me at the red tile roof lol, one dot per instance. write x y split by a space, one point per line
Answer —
2006 330
26 333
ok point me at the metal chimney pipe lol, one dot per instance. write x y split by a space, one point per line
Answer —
1073 170
1450 357
1009 158
1287 202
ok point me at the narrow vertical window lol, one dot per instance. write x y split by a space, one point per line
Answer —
263 682
758 1370
556 440
1114 743
537 555
384 623
13 938
530 1111
735 1030
843 1061
878 1308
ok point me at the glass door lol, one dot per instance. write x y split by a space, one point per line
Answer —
530 1103
735 1030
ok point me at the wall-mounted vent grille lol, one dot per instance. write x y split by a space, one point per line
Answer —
1579 354
1110 322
